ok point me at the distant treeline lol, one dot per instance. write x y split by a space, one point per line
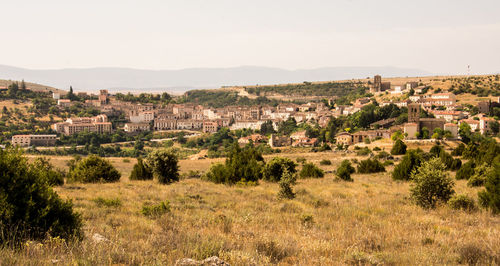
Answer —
310 89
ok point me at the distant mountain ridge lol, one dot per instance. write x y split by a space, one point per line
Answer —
91 79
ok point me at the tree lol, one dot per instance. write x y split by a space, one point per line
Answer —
164 165
287 179
345 170
466 171
94 169
140 171
490 196
23 85
410 161
480 174
29 208
273 170
267 128
431 184
12 90
71 95
398 148
465 132
242 164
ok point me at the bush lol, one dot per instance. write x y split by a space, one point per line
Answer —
325 162
301 160
466 171
490 196
398 148
446 158
140 171
164 166
246 163
363 151
311 170
456 164
410 161
274 169
94 169
436 150
462 202
458 150
431 184
157 210
480 174
47 172
345 170
370 166
29 208
286 181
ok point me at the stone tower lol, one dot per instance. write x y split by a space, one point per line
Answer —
377 83
414 113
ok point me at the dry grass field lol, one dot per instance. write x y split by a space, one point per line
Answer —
330 222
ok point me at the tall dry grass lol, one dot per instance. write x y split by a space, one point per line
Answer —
368 221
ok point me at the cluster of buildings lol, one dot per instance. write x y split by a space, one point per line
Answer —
189 116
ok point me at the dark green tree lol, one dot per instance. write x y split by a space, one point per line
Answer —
164 165
141 171
431 184
345 170
29 208
398 148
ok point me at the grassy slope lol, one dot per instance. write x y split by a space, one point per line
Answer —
370 220
33 86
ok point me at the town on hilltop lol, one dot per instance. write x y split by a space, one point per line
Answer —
417 114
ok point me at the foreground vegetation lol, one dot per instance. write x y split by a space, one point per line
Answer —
372 220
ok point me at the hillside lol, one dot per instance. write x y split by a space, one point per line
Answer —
33 86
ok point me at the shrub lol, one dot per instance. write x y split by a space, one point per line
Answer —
383 155
370 166
377 148
363 151
274 169
345 170
398 148
471 254
456 164
490 196
301 160
311 170
217 174
436 150
431 184
462 202
325 162
29 208
273 251
480 174
446 158
240 164
410 161
100 201
94 169
164 165
286 181
466 171
140 171
458 150
157 210
47 172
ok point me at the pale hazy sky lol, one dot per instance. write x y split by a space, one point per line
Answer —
442 36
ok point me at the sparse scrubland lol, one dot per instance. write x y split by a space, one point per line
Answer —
373 220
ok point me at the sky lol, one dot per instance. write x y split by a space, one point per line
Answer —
440 36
